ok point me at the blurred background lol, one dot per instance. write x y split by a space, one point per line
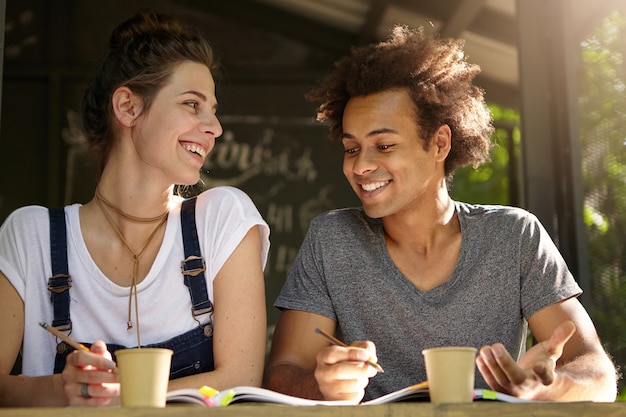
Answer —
553 71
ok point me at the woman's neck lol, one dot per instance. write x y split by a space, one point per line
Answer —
134 195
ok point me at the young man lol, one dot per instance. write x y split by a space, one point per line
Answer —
412 268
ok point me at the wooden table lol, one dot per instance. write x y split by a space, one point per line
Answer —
477 409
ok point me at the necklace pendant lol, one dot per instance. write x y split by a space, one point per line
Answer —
129 325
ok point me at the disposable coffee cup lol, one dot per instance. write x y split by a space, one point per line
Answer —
144 376
450 372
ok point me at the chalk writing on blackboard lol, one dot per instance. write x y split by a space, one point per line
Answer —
292 172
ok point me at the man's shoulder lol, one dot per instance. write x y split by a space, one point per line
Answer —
492 212
497 223
343 217
345 223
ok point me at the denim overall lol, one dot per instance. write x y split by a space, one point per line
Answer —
193 350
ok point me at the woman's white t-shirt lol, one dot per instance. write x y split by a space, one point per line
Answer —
98 307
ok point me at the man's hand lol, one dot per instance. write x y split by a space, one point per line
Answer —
535 370
342 373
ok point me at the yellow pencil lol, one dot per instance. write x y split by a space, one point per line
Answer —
73 343
338 342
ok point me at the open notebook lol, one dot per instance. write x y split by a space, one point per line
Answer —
417 392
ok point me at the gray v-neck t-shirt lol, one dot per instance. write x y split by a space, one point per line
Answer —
508 269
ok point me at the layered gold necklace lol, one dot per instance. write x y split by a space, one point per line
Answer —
160 219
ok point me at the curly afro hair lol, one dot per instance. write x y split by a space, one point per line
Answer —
439 81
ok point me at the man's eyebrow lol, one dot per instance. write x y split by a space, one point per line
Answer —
374 132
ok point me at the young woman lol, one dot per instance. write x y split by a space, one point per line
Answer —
144 267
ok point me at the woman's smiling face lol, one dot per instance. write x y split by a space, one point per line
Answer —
179 129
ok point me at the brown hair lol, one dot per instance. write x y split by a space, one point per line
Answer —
142 54
439 81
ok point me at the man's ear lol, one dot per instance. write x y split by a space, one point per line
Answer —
443 141
126 106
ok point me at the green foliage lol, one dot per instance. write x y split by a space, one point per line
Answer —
491 182
602 115
602 110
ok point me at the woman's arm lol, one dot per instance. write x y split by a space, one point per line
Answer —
17 390
53 390
240 321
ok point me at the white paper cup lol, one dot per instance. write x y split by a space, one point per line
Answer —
144 374
450 372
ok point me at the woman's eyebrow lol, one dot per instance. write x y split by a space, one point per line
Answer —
200 95
195 92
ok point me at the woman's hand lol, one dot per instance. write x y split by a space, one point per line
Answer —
89 378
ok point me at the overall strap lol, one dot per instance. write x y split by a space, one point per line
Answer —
60 283
193 266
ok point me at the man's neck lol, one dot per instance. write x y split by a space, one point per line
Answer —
423 225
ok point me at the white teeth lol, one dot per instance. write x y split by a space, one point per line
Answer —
194 148
374 186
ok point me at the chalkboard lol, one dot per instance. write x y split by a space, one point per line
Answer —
292 172
287 165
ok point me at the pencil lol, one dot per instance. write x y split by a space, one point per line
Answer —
73 343
338 342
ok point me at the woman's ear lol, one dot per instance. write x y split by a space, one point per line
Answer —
443 141
126 106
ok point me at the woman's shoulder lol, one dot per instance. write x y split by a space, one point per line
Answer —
35 217
223 193
226 202
25 224
28 215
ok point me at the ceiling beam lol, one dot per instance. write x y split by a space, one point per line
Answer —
275 19
461 18
496 25
488 22
436 10
373 19
499 93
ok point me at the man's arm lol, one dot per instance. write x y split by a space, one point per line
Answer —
303 364
292 360
567 364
